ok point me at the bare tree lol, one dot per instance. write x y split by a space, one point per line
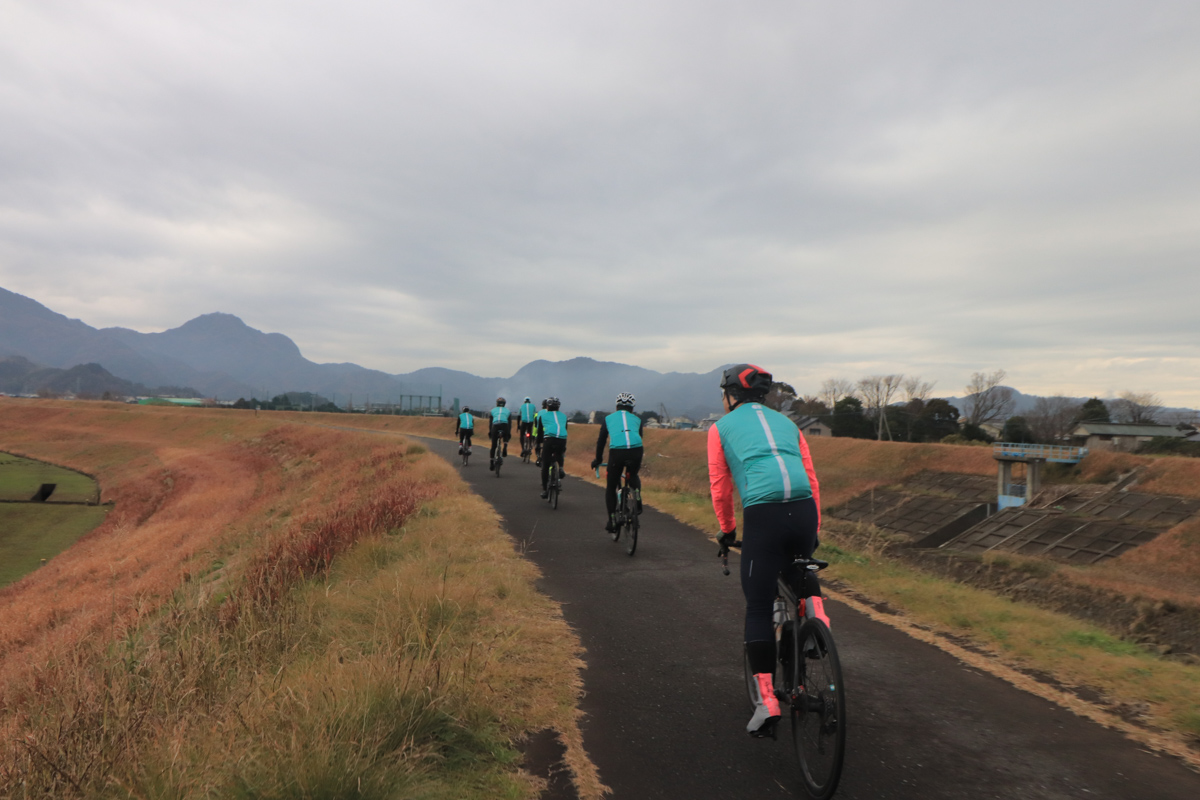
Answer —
833 390
1053 418
1182 417
987 400
877 392
916 389
1136 407
781 396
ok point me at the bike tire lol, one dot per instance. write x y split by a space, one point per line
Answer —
616 534
818 709
553 486
631 526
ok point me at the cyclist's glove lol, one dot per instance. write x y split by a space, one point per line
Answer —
596 464
726 540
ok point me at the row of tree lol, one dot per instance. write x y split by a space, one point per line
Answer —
901 407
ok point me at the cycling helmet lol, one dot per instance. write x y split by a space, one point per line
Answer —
500 401
746 381
625 399
543 405
466 410
527 400
552 403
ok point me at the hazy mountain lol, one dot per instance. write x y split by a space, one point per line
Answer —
22 376
223 357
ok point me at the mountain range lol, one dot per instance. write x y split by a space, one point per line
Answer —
222 357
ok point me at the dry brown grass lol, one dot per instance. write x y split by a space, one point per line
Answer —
165 655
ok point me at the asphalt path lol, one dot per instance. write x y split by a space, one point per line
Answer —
665 701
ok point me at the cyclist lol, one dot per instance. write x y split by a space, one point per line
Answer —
463 429
525 425
623 431
764 455
499 429
551 440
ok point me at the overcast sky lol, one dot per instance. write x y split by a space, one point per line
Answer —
827 189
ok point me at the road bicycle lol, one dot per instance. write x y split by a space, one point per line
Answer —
628 512
464 449
553 484
808 677
497 454
526 447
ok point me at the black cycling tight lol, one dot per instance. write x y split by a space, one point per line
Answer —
773 534
620 459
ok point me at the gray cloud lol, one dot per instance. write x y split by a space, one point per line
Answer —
830 189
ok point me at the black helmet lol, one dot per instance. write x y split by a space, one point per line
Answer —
543 404
500 401
746 381
552 404
466 409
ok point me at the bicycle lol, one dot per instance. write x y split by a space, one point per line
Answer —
526 447
465 449
553 484
497 454
627 512
808 677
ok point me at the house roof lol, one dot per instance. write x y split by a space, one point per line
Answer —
808 422
1126 429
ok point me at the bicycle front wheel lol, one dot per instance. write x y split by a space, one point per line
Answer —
818 710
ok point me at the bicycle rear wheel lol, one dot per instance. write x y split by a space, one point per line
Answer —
629 511
616 533
552 486
818 709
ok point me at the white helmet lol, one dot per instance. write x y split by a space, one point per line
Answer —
625 399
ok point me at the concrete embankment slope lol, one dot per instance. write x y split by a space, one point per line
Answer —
665 704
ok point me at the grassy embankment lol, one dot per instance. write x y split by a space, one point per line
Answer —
31 532
1162 692
272 610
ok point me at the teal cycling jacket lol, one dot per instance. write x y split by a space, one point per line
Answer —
501 415
764 454
553 424
466 422
527 412
624 430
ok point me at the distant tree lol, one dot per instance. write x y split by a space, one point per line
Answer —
973 433
810 406
876 392
987 400
916 389
848 420
1137 407
1093 410
578 417
781 396
935 420
834 390
1053 418
1016 430
646 416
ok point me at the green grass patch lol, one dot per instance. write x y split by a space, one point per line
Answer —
30 532
20 478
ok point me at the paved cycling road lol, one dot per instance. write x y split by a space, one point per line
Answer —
666 708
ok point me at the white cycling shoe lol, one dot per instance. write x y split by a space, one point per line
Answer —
766 707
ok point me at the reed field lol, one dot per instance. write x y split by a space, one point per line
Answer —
273 610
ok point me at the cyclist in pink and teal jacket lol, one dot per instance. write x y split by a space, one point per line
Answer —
764 455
